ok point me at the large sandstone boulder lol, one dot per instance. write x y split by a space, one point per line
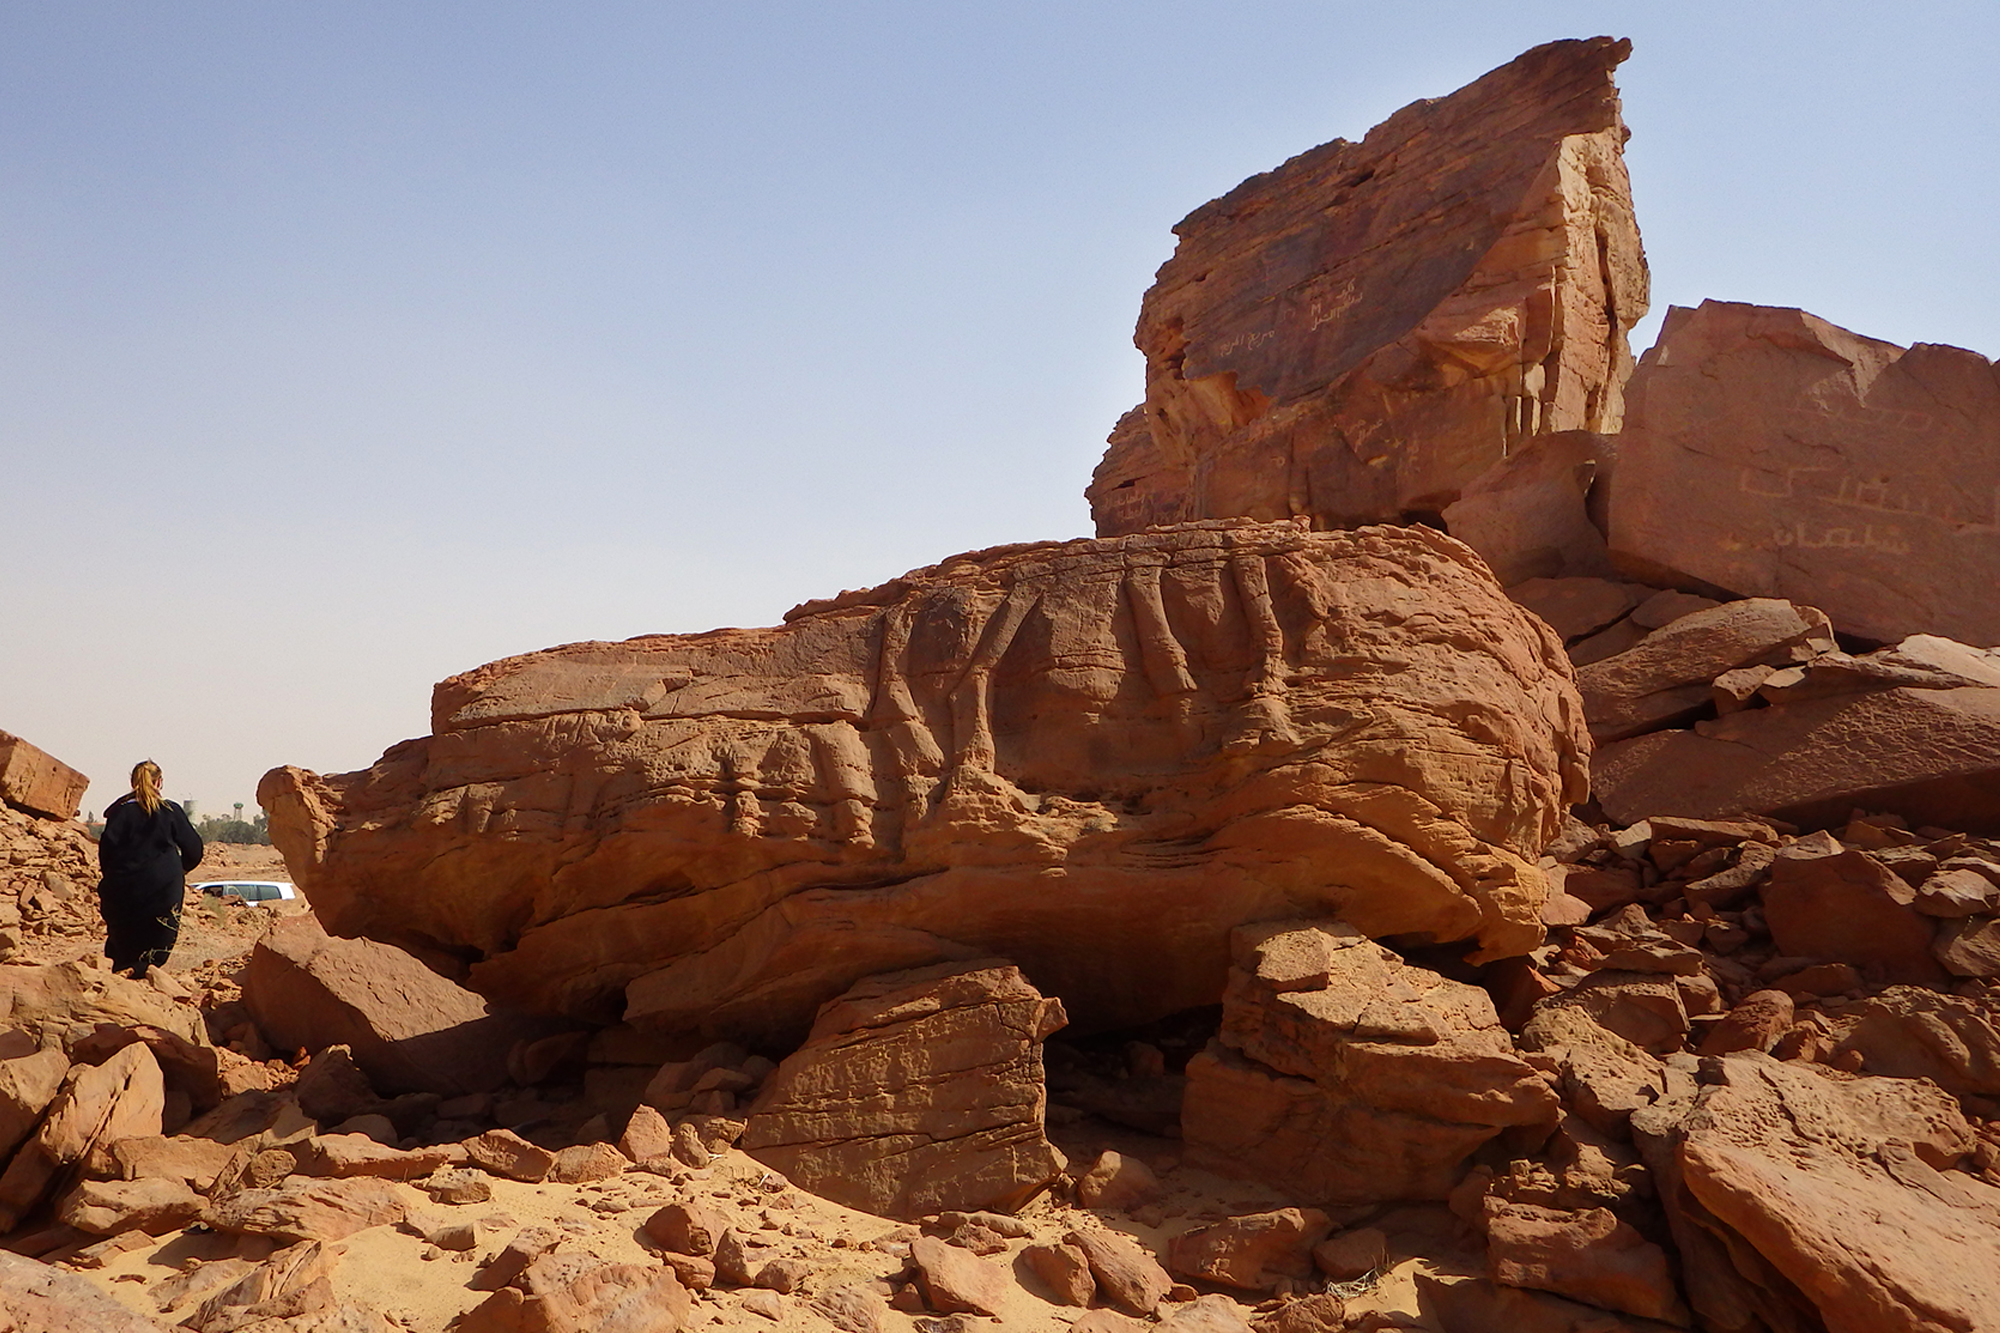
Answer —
38 782
1916 1033
1806 1199
408 1028
1362 331
1348 1076
1770 453
916 1092
1092 758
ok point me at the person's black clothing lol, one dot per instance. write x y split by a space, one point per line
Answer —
144 859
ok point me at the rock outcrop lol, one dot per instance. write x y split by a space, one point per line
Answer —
915 1093
1092 758
1348 1076
48 869
35 781
1772 454
1357 334
1805 1199
1929 754
36 1298
408 1028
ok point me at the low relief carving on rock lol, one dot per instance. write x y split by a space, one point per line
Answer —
1090 757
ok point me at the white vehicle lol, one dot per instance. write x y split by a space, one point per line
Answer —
250 890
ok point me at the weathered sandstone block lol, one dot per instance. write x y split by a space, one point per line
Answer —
1360 332
1770 453
408 1028
38 782
99 1104
1348 1076
916 1092
36 1298
1092 758
1931 755
1800 1198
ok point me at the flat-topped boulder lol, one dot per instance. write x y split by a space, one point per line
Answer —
1359 333
1092 758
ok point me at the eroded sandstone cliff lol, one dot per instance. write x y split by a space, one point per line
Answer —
1360 332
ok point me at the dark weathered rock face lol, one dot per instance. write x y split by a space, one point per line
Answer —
1090 758
1771 453
1362 331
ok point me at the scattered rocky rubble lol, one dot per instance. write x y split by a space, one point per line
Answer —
721 980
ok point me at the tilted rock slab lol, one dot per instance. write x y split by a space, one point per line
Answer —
916 1092
1771 453
1931 755
1800 1198
1348 1076
98 1104
38 1298
37 781
408 1028
1360 332
1092 758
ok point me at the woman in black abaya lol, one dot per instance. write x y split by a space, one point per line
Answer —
146 851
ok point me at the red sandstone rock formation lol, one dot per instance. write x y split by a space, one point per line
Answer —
1347 1076
37 782
1360 332
1804 1199
410 1029
916 1092
1091 758
1771 453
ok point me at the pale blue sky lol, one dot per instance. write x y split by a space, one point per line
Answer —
347 346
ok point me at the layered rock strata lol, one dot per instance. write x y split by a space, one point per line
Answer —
916 1092
1348 1076
1092 758
1773 454
1359 333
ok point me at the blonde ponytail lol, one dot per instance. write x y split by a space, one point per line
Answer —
146 784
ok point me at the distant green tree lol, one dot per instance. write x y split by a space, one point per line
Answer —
255 830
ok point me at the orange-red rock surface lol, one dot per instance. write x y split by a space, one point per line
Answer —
1358 333
1773 454
1090 758
38 782
916 1092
